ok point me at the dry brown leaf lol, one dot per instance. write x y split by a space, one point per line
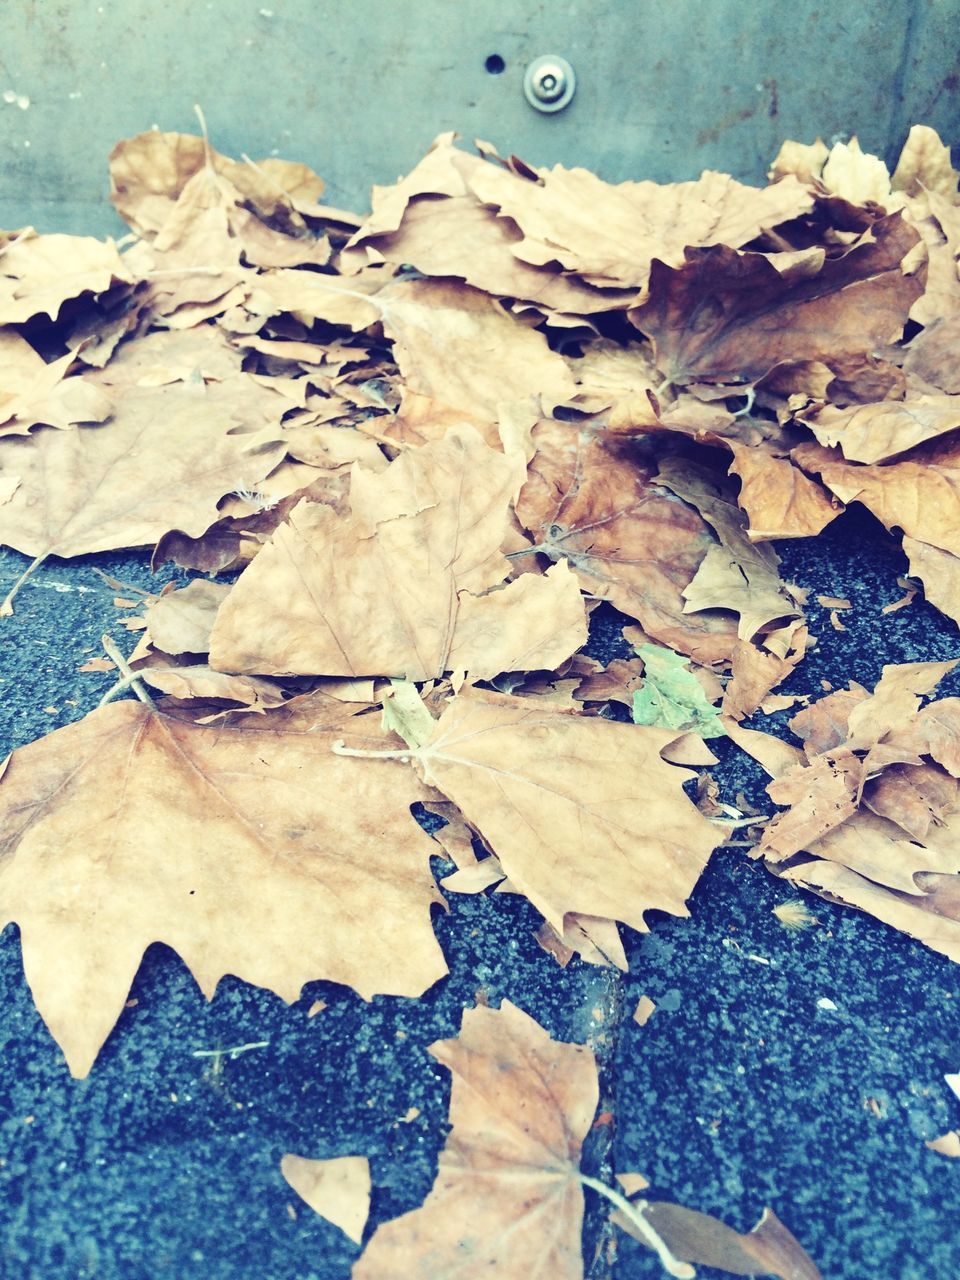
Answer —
163 462
932 355
939 571
338 1189
735 574
507 1200
418 557
925 163
39 273
181 621
872 433
732 317
609 234
32 391
593 502
770 1249
459 351
544 788
130 827
780 501
920 496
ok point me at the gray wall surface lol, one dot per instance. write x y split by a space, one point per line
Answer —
665 89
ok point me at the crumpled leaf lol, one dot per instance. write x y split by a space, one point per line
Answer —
779 499
769 1249
671 696
227 843
419 558
39 273
126 484
507 1200
875 802
338 1189
545 790
33 391
593 501
919 495
735 574
873 433
732 317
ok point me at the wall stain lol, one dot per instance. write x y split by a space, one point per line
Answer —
706 136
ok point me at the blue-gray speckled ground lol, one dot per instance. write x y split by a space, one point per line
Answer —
740 1091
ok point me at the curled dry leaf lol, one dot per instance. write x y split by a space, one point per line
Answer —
732 317
33 391
877 432
131 827
875 811
507 1200
420 555
770 1249
39 273
594 502
779 499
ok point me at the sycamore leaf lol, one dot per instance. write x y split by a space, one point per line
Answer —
877 432
39 273
939 571
405 714
932 355
671 695
33 391
337 1189
228 843
507 1200
735 574
456 348
181 621
593 502
128 483
919 495
609 234
732 317
583 813
780 501
419 558
874 815
770 1249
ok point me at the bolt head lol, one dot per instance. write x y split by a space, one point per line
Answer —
549 83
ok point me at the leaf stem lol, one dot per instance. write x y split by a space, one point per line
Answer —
633 1209
339 748
6 609
130 678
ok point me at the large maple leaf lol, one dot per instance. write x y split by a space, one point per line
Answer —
583 813
230 844
507 1200
732 317
408 584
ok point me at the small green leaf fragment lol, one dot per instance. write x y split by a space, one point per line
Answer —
671 696
405 713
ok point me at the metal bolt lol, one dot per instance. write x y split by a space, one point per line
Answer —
549 83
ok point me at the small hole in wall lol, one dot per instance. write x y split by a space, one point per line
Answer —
494 64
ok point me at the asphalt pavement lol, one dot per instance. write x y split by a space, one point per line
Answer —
797 1070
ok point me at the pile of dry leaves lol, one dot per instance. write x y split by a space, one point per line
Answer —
431 441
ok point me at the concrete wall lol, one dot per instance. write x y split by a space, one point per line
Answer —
665 87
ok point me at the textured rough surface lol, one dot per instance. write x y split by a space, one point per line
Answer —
744 1088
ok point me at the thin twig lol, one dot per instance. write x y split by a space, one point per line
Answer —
130 678
6 609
